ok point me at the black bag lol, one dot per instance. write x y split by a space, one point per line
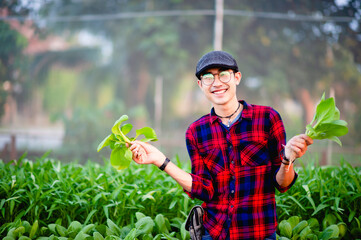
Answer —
194 223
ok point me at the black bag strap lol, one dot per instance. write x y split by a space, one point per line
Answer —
194 223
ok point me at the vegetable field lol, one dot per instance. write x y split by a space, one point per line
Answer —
46 199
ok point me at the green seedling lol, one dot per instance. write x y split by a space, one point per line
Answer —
326 123
121 156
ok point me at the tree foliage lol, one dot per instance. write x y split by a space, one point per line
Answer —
280 56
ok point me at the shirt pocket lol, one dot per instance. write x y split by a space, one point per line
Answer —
253 151
214 161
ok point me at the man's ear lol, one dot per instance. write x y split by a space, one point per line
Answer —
238 76
199 83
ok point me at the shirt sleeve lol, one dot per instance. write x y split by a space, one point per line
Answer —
202 186
276 142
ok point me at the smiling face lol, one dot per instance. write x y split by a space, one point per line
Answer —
219 93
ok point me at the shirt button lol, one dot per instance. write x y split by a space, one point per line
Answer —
233 177
231 206
232 191
232 162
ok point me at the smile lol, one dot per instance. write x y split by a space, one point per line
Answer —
221 91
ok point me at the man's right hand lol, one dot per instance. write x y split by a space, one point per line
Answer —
145 153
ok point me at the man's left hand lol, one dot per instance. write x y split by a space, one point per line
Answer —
296 147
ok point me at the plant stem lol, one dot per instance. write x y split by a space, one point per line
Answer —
124 137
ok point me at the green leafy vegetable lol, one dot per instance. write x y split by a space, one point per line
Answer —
326 123
121 156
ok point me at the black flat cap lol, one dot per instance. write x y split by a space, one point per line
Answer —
215 59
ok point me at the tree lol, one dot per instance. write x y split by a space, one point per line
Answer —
11 61
295 58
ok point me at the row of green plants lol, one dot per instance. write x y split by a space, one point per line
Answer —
48 191
144 228
329 194
46 198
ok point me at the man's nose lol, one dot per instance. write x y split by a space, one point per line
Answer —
217 80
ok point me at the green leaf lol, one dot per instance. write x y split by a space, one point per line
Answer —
148 133
319 208
90 215
116 126
61 230
328 124
121 157
75 226
113 227
147 237
97 236
160 223
285 228
110 138
326 130
27 225
184 233
34 229
81 236
126 128
131 235
342 227
294 220
19 231
24 238
337 114
87 228
336 139
331 231
314 224
139 215
144 226
325 110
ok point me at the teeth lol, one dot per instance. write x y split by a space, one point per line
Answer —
219 92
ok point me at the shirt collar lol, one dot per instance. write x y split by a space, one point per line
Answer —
247 112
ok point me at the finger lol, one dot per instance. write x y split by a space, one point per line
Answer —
132 147
309 140
135 147
299 144
306 138
142 144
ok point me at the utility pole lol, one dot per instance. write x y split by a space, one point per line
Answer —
218 25
158 102
329 144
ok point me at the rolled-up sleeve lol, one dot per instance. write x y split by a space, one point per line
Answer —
276 144
202 187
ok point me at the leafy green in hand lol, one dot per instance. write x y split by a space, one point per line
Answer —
121 156
326 123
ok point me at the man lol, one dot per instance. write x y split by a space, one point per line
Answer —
238 157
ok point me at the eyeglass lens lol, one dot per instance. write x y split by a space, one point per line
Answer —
224 77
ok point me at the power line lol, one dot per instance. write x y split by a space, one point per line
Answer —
173 13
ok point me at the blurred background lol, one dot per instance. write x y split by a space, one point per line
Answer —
70 68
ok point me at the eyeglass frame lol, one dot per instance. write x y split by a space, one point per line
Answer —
214 76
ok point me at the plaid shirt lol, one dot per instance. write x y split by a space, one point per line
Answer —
234 171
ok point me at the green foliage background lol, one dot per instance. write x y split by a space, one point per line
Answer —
116 50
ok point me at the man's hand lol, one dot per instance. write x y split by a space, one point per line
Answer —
296 147
145 153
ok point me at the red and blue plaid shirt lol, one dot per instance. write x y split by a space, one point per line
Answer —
234 171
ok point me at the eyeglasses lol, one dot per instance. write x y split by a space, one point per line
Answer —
208 78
